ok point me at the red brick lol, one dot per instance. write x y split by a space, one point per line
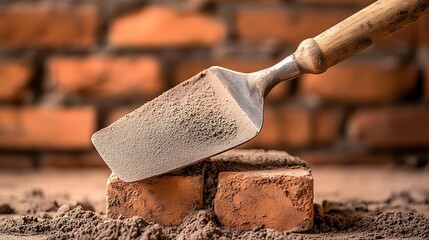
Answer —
345 158
304 127
397 127
103 76
47 27
14 79
157 26
46 128
165 200
188 69
292 25
281 199
86 160
361 82
286 25
9 161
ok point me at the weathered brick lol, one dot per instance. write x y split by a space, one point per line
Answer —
104 76
188 69
361 82
14 79
391 127
158 26
47 27
281 199
165 200
46 128
59 160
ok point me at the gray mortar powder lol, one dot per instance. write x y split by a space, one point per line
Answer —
192 121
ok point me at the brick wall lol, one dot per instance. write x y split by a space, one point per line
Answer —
68 69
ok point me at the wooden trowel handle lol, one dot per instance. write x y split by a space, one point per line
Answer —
357 32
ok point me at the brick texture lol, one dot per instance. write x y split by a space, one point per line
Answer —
187 69
165 200
103 76
280 199
346 158
9 161
163 27
46 27
398 127
46 128
361 83
14 79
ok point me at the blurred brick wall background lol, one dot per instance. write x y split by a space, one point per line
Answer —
69 68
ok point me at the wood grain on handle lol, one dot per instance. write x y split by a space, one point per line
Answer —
359 31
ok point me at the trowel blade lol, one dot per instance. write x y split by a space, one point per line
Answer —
201 117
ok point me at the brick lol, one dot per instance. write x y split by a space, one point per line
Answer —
361 82
281 199
189 68
14 79
285 24
165 200
46 128
59 160
10 161
392 127
292 25
47 27
304 127
158 26
104 76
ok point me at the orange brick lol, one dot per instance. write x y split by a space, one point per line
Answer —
398 127
361 82
292 25
58 160
188 69
47 27
285 24
281 199
46 128
103 76
158 26
304 127
9 161
14 79
165 200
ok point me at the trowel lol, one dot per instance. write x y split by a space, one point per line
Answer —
219 109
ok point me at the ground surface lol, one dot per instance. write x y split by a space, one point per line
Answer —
351 202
